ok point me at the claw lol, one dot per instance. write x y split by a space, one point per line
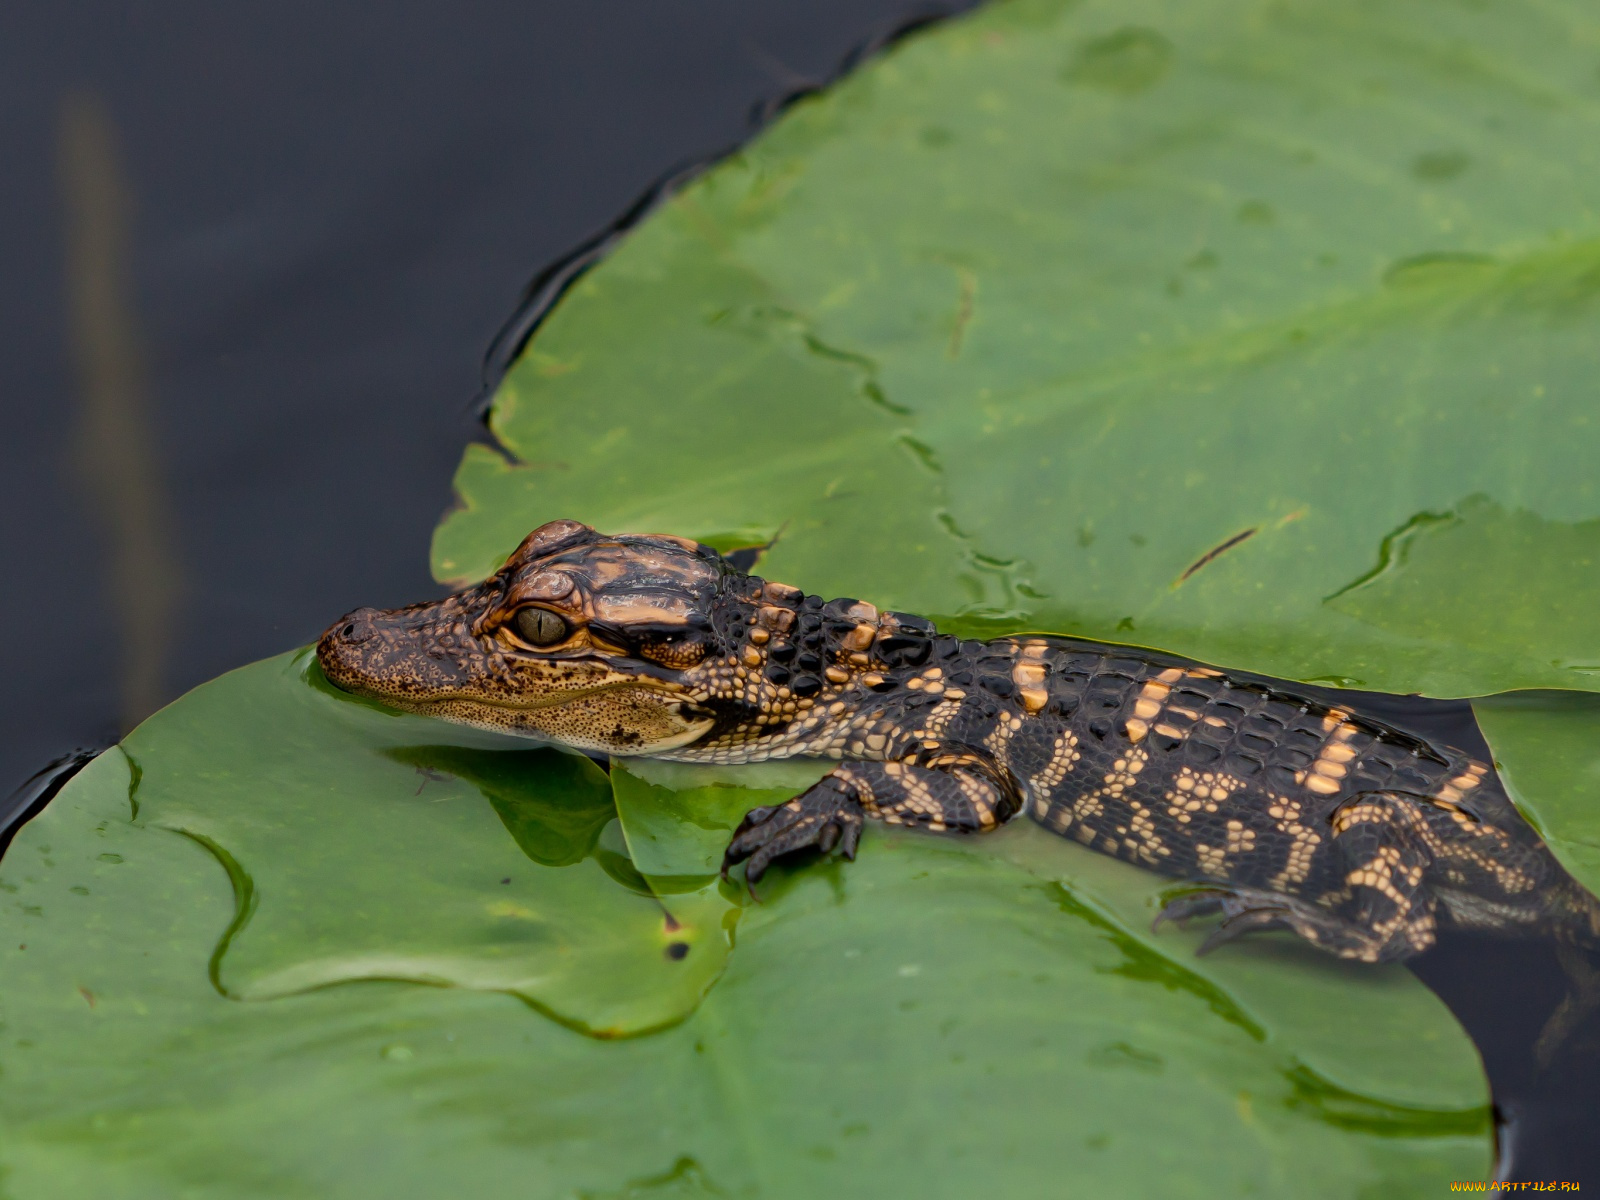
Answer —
1180 909
827 817
849 840
1238 924
1239 915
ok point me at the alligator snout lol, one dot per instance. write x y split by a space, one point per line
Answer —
416 651
339 648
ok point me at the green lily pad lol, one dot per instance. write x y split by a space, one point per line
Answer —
679 817
1150 322
360 847
945 1016
1547 748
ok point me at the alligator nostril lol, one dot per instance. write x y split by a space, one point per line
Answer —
348 630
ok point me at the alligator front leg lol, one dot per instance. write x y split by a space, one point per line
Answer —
947 792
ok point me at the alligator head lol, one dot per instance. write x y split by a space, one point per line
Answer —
581 639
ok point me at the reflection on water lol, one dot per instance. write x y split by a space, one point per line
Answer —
115 450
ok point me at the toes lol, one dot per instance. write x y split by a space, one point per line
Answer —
850 838
1240 923
796 836
755 817
1180 909
769 833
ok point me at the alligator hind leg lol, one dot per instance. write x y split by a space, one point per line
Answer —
1378 909
946 792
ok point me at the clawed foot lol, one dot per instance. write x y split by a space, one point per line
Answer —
827 817
1245 910
1242 912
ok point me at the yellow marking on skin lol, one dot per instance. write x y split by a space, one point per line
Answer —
1136 730
871 679
1448 794
1321 784
1028 674
859 638
1170 675
1338 752
915 683
1064 755
1035 649
1199 790
1033 698
860 660
1203 673
1465 782
1332 770
862 611
1146 709
751 657
776 619
1213 859
1217 721
760 636
1333 718
1457 814
1240 839
1184 712
935 723
1171 731
1302 847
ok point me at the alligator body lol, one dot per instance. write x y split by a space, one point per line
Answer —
1282 810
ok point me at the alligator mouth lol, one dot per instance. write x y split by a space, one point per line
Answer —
557 699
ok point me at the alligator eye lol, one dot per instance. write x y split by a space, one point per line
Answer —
540 627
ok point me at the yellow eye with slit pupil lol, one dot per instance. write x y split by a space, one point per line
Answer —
540 627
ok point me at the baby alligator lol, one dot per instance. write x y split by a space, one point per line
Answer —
1284 811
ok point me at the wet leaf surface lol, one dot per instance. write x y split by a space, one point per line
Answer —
954 1017
1022 326
1547 747
411 874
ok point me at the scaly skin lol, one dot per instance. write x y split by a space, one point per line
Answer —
1283 811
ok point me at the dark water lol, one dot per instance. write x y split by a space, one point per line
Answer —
259 260
255 255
